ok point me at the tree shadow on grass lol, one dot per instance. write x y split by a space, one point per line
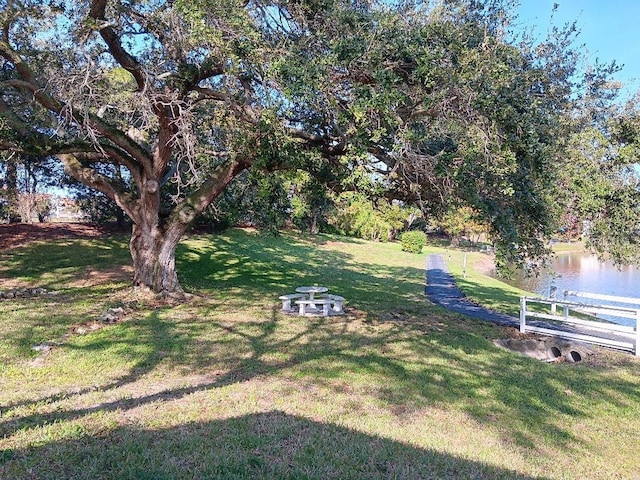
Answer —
418 357
143 342
269 445
266 263
52 264
414 364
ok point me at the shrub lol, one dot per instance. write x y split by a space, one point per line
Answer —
413 241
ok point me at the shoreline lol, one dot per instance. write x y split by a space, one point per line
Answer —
486 265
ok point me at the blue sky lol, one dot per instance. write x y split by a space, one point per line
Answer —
609 29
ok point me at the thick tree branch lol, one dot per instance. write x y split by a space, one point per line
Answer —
40 144
111 38
327 145
184 213
197 73
29 83
110 187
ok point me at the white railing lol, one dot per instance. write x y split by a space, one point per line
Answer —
579 327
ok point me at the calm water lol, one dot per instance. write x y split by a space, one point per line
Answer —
585 273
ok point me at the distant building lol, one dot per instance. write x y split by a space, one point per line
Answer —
65 209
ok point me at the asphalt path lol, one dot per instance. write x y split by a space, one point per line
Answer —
441 289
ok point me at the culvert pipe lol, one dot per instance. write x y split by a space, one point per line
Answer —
573 356
555 352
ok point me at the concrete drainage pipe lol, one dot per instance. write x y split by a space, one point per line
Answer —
547 349
573 356
555 352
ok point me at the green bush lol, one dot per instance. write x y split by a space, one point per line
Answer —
413 241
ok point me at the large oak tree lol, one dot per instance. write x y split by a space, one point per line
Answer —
160 104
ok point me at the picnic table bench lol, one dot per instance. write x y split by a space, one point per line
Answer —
331 304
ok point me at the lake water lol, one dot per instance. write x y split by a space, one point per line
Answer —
584 273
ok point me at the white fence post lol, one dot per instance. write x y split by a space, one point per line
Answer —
553 294
637 349
464 266
523 316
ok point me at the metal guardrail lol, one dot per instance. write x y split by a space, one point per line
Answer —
574 323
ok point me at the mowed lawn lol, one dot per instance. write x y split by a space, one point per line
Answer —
227 386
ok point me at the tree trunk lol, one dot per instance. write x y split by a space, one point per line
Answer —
153 243
154 262
12 190
314 224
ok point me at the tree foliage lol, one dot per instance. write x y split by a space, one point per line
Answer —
600 182
461 222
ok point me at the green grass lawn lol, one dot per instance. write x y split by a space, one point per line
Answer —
227 386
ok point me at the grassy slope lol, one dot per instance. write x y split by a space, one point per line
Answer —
228 387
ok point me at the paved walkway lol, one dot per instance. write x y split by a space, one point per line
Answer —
441 289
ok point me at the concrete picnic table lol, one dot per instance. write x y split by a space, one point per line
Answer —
308 303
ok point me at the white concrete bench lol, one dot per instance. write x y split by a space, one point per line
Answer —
338 302
286 300
303 305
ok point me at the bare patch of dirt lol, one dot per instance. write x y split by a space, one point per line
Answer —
9 283
94 277
14 235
